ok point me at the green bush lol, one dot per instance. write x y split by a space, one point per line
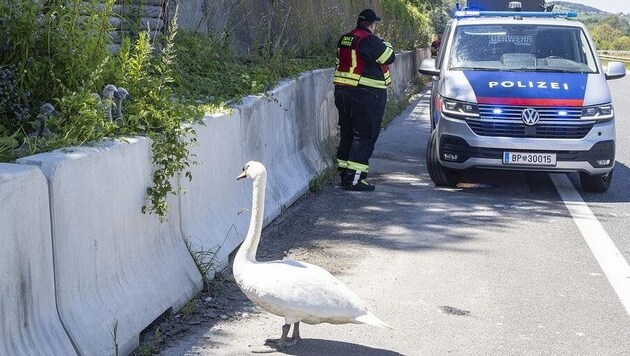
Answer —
57 51
207 70
408 25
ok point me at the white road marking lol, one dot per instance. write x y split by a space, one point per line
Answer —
606 253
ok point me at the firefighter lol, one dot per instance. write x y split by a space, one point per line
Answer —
435 45
361 79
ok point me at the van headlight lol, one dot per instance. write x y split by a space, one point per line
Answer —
598 112
459 109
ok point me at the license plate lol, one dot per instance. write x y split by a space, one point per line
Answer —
529 159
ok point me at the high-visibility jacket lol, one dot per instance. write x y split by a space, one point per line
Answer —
363 59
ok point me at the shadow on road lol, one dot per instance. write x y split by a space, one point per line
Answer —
619 191
406 213
317 347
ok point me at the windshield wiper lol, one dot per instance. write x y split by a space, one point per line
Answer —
473 68
554 70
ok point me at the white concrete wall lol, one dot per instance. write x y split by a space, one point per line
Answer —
405 69
29 323
287 130
112 263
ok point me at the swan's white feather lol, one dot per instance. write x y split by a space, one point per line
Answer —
299 290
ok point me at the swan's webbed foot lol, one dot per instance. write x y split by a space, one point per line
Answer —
285 341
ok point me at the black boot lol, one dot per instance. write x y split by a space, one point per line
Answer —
344 176
361 186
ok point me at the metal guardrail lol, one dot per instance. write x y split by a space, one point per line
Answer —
614 58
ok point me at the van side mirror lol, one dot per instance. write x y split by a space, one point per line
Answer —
615 70
427 67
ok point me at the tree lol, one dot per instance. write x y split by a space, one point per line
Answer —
622 43
604 35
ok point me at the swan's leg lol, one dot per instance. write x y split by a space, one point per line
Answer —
278 344
296 334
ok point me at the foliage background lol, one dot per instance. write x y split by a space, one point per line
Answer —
609 31
57 51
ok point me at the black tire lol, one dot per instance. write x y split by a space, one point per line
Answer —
597 183
439 174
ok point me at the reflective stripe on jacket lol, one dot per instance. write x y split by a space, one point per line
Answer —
353 69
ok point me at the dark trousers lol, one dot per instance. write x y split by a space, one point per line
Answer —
361 110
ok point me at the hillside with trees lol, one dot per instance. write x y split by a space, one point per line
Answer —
609 31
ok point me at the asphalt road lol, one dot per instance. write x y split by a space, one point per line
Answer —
502 265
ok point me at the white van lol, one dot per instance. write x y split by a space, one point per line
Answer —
522 91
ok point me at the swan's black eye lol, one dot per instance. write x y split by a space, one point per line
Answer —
245 167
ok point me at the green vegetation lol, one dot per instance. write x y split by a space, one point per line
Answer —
408 24
46 57
205 260
609 31
57 51
151 346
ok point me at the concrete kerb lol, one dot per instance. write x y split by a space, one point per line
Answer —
30 324
113 264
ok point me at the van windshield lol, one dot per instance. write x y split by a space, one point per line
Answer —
529 48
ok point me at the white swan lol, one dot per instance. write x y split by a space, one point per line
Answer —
295 290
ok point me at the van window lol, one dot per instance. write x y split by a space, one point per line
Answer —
522 48
443 45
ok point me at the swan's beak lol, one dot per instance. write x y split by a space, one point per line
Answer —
242 175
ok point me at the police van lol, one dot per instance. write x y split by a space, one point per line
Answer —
520 90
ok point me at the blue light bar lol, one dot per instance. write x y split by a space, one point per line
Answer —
469 13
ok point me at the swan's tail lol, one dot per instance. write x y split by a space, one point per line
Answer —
370 319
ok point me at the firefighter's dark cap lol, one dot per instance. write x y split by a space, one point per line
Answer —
368 15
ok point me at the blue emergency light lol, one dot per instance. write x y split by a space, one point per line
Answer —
473 13
515 10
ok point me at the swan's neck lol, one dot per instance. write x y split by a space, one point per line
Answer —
248 249
118 107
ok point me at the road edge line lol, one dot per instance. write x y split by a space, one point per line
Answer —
611 261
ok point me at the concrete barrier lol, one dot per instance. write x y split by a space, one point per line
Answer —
114 265
287 130
281 131
290 130
212 219
29 323
405 70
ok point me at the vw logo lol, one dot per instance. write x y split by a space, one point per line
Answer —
530 116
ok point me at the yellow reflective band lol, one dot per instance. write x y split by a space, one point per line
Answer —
341 74
342 163
354 61
374 83
385 56
351 82
358 167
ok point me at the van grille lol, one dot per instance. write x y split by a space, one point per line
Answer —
561 123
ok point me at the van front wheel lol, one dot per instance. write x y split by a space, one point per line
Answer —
598 183
439 174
